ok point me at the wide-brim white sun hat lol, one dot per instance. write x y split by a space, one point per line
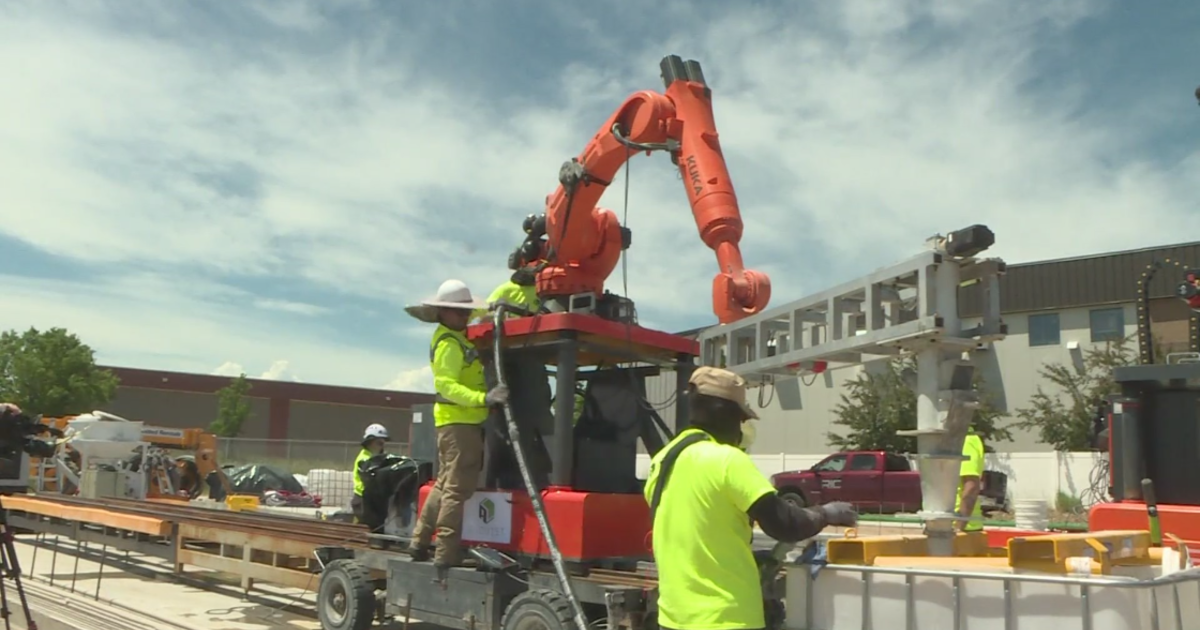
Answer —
452 294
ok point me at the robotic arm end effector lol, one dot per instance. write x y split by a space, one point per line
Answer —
734 300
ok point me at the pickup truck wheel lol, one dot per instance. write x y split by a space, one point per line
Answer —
794 498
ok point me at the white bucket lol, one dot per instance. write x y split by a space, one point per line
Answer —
1031 515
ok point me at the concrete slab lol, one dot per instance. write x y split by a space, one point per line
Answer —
148 589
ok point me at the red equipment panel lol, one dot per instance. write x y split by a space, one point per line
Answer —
587 526
1180 520
589 328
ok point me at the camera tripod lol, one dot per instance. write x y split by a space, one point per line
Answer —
10 569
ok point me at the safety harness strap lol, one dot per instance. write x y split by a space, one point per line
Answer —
667 465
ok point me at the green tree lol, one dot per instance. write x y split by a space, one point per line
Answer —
1063 418
52 373
876 406
232 408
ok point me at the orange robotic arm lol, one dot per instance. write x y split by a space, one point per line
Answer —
584 242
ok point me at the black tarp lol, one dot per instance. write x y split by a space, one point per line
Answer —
389 480
257 479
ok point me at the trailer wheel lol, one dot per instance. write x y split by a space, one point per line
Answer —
345 597
538 610
795 498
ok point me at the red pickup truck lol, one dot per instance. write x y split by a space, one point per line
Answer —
873 481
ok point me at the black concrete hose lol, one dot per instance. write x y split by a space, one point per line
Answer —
535 495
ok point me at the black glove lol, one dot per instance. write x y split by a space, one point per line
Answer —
839 513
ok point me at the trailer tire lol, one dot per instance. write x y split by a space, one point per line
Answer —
538 609
345 597
795 498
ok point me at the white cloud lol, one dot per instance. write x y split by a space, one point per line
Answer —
280 370
181 325
415 380
229 368
291 307
851 135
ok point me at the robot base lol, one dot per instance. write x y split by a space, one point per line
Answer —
590 527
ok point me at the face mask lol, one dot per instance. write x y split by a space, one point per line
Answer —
749 433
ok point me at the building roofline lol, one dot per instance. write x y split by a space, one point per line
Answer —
263 388
1122 252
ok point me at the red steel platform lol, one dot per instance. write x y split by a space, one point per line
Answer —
600 337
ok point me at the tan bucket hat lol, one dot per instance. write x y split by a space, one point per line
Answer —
452 294
719 383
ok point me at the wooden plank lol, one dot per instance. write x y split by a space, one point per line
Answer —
190 531
129 522
249 571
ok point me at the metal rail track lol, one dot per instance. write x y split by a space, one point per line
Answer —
284 527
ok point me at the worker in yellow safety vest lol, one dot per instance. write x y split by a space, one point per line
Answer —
459 411
970 484
520 291
708 578
373 442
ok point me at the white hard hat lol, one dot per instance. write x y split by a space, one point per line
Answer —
452 294
375 431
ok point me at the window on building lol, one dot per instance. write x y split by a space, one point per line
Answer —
1108 324
1044 329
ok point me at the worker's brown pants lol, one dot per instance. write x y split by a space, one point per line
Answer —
460 460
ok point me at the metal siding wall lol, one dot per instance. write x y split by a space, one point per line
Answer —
182 410
322 421
1082 282
659 391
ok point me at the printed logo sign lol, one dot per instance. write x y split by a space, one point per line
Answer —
487 518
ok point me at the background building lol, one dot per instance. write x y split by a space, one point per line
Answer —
280 410
1055 310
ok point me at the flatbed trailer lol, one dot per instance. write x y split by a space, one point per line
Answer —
494 592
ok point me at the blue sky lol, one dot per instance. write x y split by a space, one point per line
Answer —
262 186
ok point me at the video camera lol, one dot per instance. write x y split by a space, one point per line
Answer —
20 435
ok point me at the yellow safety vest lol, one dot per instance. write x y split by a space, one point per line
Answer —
457 378
363 455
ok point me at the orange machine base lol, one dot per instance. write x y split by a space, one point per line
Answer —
1181 520
589 527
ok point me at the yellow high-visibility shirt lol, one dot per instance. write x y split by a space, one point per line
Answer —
363 455
707 577
972 467
457 378
510 292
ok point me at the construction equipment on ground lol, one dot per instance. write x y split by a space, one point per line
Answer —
105 455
